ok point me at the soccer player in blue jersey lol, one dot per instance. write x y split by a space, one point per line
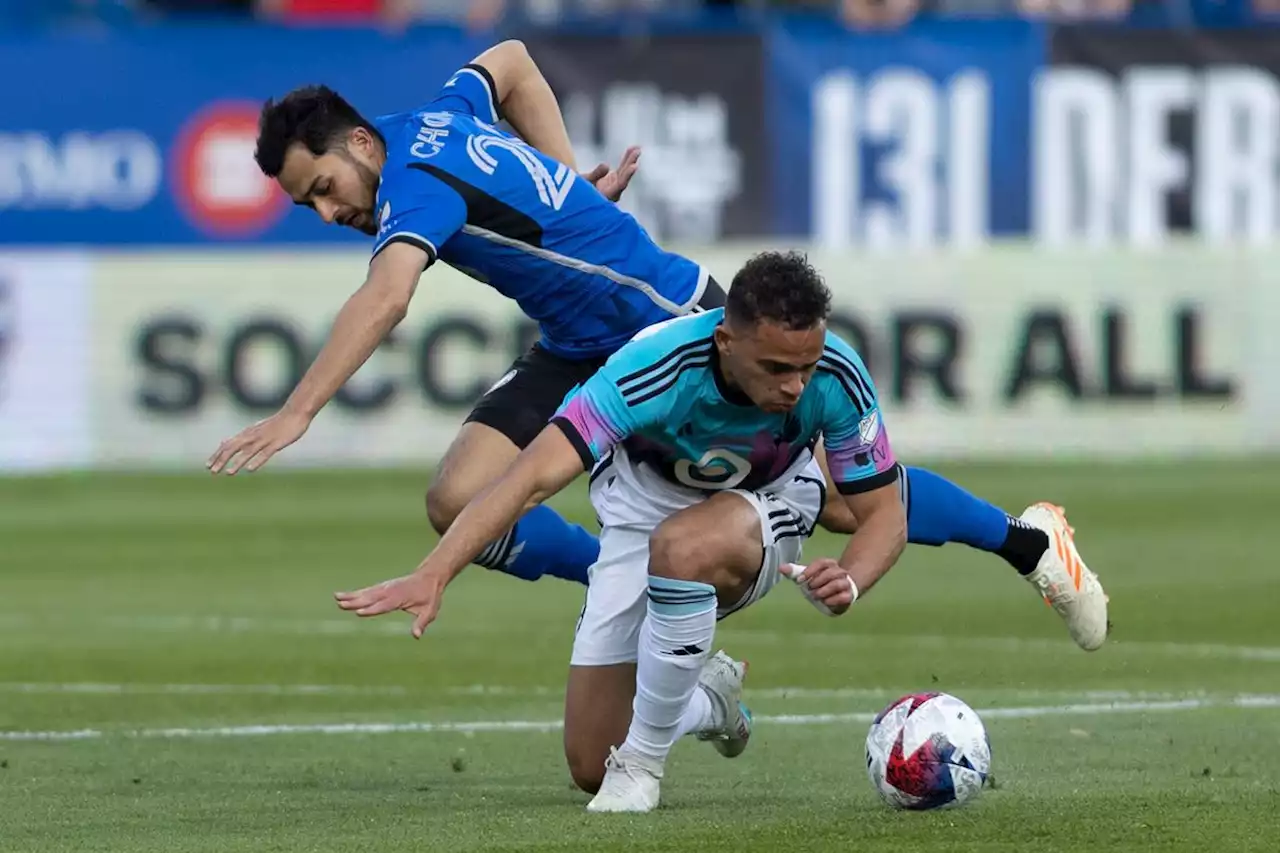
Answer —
699 436
444 183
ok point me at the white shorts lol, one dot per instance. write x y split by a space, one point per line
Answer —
630 502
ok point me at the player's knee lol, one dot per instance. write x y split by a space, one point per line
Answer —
443 506
676 555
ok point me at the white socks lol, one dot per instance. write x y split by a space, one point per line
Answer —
675 641
699 715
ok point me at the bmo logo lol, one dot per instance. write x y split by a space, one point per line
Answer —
217 184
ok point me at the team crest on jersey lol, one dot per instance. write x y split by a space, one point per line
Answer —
384 218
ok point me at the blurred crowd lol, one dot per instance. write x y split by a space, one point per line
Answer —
485 14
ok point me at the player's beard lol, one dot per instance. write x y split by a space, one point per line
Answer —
370 179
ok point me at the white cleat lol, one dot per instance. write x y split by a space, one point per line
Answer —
1065 582
630 784
722 678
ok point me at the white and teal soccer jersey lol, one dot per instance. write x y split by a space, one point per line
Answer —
663 398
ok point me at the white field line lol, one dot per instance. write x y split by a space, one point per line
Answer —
1011 645
1082 709
400 627
95 688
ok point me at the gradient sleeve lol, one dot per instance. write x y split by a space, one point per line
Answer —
858 452
470 91
854 433
595 418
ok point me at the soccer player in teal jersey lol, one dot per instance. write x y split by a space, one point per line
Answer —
442 183
700 436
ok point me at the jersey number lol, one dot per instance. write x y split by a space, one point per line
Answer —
717 469
553 189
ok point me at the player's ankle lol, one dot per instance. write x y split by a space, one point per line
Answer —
646 756
1024 546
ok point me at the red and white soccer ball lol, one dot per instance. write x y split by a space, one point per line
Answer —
928 751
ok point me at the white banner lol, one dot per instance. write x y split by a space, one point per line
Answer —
1027 352
192 349
1003 352
45 354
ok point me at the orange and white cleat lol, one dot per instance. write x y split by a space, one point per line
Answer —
1065 582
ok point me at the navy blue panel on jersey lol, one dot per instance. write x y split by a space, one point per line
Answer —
484 202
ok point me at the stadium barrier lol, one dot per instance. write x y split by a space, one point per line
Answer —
944 133
150 359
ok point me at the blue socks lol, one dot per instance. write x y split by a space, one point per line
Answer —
939 511
543 543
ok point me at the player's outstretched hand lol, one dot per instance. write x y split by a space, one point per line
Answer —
825 583
418 594
252 447
612 183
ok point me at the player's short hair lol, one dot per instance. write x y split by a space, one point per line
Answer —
781 287
315 116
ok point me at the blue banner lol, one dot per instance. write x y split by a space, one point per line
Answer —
917 137
913 138
146 136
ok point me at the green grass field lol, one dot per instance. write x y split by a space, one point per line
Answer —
184 627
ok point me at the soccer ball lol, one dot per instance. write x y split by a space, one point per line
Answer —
927 751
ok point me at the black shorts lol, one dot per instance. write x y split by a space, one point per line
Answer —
521 403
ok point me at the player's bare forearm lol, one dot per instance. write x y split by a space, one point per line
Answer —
836 515
881 537
527 101
365 320
361 325
541 470
489 514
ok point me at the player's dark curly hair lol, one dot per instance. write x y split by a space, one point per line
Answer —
782 287
316 116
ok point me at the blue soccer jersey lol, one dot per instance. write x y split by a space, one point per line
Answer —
663 398
491 206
